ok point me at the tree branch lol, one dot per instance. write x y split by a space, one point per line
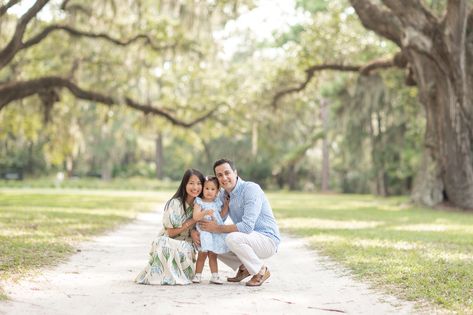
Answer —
74 32
309 74
398 60
379 20
11 49
412 13
4 8
64 4
18 90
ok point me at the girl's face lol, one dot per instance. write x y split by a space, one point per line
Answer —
210 190
193 186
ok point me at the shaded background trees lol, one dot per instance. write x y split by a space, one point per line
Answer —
146 88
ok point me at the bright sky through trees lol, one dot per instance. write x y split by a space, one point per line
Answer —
268 16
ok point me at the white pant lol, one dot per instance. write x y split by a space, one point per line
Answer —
247 249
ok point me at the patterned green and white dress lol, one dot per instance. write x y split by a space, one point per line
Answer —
171 259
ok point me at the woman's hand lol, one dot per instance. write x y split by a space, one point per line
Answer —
195 237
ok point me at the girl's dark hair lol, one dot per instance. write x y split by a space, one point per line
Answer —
214 180
181 192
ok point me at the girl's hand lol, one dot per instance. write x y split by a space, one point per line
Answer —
209 212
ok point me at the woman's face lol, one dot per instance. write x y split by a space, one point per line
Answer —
193 186
210 190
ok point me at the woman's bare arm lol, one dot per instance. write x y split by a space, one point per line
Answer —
185 226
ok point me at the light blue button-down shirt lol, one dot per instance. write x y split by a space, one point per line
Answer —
251 211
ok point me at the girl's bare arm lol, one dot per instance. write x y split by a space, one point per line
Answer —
198 214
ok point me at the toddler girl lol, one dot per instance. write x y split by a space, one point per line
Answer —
211 244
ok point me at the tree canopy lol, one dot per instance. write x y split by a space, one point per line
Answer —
359 96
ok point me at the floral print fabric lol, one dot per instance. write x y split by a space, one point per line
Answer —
171 259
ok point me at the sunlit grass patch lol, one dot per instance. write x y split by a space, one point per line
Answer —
327 224
39 227
134 183
417 253
435 228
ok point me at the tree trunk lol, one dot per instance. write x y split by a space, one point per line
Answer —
428 185
325 146
254 139
291 177
377 155
447 161
69 166
106 171
208 154
159 156
439 52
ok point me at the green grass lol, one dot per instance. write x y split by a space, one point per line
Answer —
39 227
134 183
416 253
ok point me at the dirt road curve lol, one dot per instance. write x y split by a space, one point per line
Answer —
98 280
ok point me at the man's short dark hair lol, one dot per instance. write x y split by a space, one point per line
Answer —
223 161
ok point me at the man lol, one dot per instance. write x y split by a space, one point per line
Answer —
254 234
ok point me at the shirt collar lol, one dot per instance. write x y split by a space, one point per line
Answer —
238 187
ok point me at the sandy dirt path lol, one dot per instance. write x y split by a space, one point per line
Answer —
99 280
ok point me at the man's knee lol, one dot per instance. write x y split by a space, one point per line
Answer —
233 239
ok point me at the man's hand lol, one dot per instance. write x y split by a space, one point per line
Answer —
209 226
195 237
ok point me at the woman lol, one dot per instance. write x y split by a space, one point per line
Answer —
172 254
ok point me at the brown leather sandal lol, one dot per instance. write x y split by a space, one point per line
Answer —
258 279
241 274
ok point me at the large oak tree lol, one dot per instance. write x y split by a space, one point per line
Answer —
439 51
436 48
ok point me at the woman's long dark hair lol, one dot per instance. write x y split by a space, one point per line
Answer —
181 192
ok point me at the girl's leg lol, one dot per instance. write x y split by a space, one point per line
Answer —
214 268
199 265
213 262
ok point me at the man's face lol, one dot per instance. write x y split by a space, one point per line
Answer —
226 176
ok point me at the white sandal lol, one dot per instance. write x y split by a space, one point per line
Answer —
216 280
197 278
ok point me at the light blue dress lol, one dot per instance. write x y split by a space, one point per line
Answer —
212 242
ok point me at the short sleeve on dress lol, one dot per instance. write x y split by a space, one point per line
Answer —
172 217
198 201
